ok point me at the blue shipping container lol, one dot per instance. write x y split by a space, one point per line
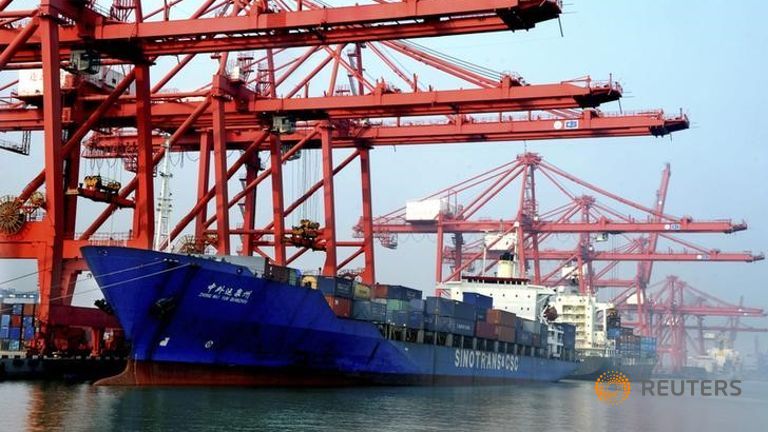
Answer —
369 311
399 292
18 309
29 333
398 317
417 305
416 320
3 332
14 333
449 325
5 321
479 300
614 333
481 314
464 327
14 345
326 285
450 308
27 321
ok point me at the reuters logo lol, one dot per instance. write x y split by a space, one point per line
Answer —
612 387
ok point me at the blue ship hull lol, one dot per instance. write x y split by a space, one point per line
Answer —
192 320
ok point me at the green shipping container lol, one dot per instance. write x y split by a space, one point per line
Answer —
362 291
397 305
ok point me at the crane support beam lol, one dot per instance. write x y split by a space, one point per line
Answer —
588 125
380 104
280 29
599 226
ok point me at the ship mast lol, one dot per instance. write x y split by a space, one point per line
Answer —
164 200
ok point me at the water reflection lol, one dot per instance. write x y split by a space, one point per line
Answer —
541 407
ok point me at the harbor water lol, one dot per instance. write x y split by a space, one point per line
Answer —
571 406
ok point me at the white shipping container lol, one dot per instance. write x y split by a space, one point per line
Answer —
31 82
426 210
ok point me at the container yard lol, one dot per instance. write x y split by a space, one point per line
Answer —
365 201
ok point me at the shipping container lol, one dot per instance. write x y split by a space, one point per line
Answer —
14 333
529 326
29 309
450 308
17 308
27 321
4 332
345 288
14 345
398 317
463 327
449 325
396 292
506 334
5 321
480 301
481 314
426 210
417 305
332 286
416 320
400 305
282 274
367 310
500 317
29 333
362 291
524 338
16 321
342 307
613 333
485 330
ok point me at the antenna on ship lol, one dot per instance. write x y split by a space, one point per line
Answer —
164 200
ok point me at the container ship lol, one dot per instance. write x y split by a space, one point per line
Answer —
231 320
600 342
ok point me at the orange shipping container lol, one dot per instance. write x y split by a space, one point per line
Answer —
500 317
341 307
29 309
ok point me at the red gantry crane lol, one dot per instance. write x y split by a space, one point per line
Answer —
95 82
674 308
526 233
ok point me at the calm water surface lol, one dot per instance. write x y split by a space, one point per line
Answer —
565 406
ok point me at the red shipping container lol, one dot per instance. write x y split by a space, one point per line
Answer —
341 307
500 317
380 291
485 330
506 334
16 321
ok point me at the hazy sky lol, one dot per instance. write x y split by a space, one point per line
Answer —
708 59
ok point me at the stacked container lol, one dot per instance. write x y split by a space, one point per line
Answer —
284 275
569 335
482 304
449 316
628 345
647 346
498 325
395 292
17 325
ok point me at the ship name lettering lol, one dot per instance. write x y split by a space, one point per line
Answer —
474 359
